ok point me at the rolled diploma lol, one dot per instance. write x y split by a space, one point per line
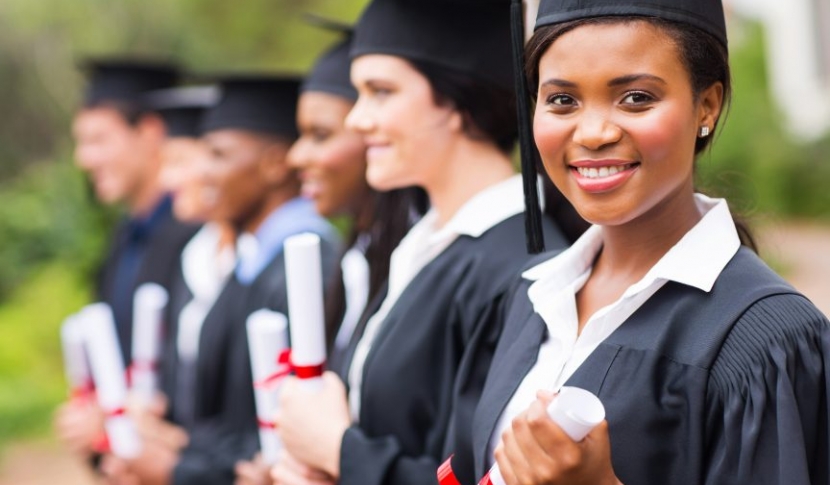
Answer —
77 370
267 340
148 318
107 367
575 410
304 274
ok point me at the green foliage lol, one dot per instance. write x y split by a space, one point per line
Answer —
31 377
754 162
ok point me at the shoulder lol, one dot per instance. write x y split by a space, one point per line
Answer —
772 336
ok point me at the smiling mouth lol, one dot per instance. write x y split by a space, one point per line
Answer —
602 172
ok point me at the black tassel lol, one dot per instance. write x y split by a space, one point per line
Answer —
533 213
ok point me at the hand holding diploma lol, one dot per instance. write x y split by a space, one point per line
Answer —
311 422
537 450
148 319
304 274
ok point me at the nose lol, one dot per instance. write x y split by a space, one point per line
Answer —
359 118
298 155
595 129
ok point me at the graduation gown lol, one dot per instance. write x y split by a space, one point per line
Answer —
157 245
726 387
225 428
420 361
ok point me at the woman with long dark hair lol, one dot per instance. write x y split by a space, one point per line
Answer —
436 110
710 367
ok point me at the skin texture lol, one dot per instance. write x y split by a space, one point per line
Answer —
122 160
331 160
184 161
248 176
603 96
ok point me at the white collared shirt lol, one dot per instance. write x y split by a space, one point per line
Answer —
356 276
423 243
205 269
696 260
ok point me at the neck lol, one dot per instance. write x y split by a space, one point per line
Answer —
149 194
632 249
271 202
471 168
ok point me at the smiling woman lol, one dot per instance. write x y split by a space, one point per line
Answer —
682 332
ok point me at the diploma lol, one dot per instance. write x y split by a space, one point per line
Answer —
304 274
75 362
107 368
575 410
268 344
148 319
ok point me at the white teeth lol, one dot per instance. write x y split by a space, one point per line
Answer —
595 173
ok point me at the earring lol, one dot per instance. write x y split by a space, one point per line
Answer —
704 131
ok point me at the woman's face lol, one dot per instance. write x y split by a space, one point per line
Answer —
616 121
184 161
407 135
330 159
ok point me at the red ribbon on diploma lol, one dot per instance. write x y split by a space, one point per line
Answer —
447 477
263 424
146 365
285 367
445 474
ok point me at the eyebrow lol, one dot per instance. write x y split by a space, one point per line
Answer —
619 81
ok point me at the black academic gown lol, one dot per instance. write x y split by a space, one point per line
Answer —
224 428
726 387
159 246
421 358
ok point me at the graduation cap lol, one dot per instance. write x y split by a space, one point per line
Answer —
182 108
261 103
330 73
706 15
125 80
469 36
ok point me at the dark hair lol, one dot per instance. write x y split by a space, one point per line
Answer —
393 214
489 111
705 58
131 112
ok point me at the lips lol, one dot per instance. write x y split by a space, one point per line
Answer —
597 176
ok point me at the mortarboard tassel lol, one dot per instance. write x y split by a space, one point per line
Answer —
533 213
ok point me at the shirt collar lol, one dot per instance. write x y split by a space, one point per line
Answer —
696 260
485 209
256 251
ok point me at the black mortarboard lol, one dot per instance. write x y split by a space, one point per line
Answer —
469 36
330 73
706 15
124 80
260 103
182 108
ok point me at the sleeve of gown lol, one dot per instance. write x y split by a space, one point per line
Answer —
767 403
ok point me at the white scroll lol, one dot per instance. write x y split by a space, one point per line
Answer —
148 320
304 273
268 344
76 365
107 367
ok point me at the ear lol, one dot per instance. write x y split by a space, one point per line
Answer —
710 105
273 164
151 127
456 121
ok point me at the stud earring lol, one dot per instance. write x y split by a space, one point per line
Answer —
704 131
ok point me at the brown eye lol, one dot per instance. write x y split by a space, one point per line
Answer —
637 98
561 100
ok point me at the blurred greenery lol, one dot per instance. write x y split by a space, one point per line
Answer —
52 236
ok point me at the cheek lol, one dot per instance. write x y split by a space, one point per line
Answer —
551 137
660 137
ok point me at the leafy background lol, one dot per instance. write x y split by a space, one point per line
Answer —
52 234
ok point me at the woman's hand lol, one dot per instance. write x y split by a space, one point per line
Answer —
153 466
79 424
289 471
311 423
535 450
254 472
